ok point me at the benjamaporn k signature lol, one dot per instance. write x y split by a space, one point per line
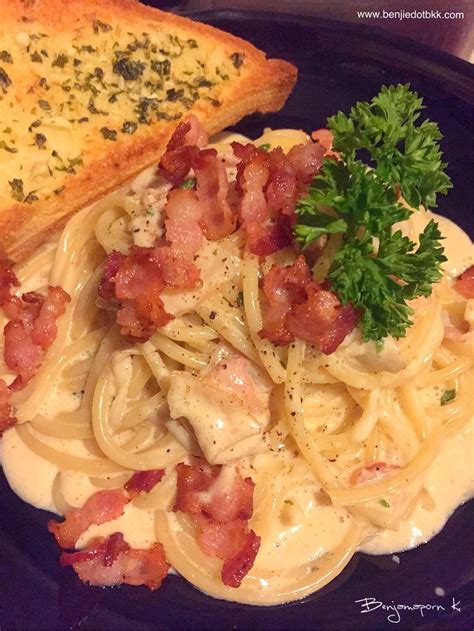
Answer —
370 604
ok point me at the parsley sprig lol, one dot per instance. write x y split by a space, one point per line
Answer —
377 269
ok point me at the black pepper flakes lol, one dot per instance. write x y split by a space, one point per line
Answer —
36 58
212 315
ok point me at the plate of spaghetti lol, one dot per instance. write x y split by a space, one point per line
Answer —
249 364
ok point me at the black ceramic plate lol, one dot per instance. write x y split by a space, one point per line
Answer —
338 64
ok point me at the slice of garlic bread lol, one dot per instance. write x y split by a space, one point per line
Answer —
90 91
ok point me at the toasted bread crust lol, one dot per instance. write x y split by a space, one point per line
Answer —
262 85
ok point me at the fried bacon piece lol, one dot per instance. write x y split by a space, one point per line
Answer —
106 550
111 561
268 228
321 320
464 283
306 161
136 282
32 329
143 481
283 287
183 227
101 507
372 473
29 333
324 137
297 306
207 206
220 540
267 187
221 512
217 218
270 183
239 564
184 145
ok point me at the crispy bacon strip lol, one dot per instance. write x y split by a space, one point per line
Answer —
300 307
192 481
30 332
103 506
324 137
32 329
221 516
21 354
464 283
283 287
270 183
217 219
238 566
107 550
221 540
224 505
321 320
182 149
143 481
372 473
112 562
44 327
183 229
136 282
306 161
268 228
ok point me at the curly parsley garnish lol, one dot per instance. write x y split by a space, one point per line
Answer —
377 269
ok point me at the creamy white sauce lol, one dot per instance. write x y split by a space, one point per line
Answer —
449 482
29 476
